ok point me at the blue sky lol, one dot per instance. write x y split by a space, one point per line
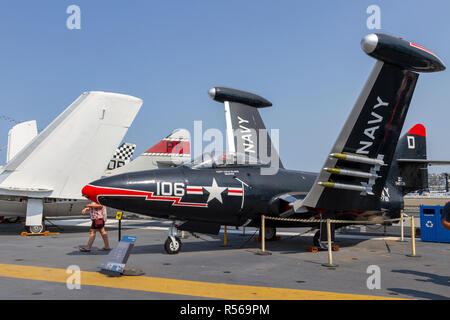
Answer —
304 56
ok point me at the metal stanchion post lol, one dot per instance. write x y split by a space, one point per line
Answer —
263 236
402 225
402 233
225 236
413 239
263 227
330 255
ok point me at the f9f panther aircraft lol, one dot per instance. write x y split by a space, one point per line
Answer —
233 191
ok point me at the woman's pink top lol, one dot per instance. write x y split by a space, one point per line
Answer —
98 213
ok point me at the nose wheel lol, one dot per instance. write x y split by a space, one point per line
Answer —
172 245
173 242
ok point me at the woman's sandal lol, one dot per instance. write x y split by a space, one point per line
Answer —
84 250
105 249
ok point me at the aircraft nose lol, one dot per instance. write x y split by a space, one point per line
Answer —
89 192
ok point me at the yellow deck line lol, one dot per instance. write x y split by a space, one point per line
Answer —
180 287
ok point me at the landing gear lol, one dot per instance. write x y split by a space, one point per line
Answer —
173 242
172 245
320 238
35 229
270 233
316 241
34 221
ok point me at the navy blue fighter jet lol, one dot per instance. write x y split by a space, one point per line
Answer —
360 178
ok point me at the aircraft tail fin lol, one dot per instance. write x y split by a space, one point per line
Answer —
122 156
74 148
355 172
19 136
173 150
409 171
246 132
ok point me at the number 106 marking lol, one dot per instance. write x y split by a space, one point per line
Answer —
169 189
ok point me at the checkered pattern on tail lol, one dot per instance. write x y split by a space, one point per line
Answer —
124 152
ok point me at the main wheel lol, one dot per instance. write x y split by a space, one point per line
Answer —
35 229
172 247
318 243
270 233
316 239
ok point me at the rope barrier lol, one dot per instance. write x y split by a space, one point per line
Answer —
331 220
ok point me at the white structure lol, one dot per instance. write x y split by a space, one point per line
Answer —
73 150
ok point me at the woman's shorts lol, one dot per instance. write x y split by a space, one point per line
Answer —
99 227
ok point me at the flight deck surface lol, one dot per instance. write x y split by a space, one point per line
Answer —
34 267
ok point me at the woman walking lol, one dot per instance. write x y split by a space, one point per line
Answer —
98 217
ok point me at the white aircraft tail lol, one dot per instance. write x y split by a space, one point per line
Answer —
73 150
173 150
19 136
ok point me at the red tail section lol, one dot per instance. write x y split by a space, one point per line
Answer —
418 130
170 147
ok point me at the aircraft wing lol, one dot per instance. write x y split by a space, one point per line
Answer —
246 132
287 204
37 192
355 171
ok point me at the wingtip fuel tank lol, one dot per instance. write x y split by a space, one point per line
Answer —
402 53
222 94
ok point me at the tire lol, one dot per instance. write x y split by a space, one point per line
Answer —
316 239
317 243
270 233
35 229
172 247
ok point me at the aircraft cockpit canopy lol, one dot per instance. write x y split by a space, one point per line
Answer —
224 160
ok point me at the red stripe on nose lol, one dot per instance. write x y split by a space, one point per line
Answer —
89 192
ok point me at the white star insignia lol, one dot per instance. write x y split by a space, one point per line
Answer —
215 192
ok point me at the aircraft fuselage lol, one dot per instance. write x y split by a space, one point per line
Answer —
227 195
